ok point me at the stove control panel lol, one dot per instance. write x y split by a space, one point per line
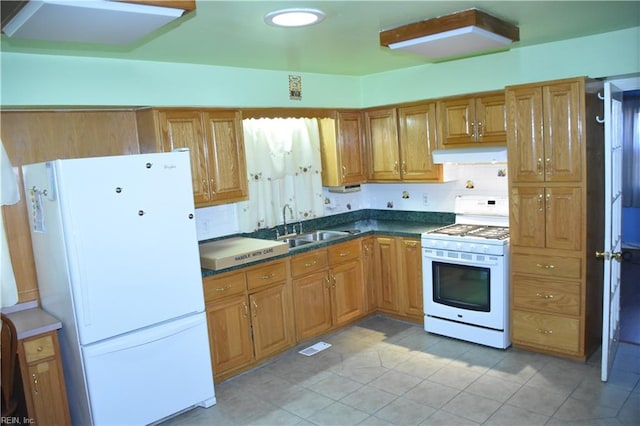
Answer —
464 246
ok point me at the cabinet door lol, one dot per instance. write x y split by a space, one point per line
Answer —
347 292
369 273
563 145
410 261
46 395
184 129
417 140
227 165
229 333
524 134
386 261
312 303
564 216
382 143
270 316
456 120
527 217
351 147
491 119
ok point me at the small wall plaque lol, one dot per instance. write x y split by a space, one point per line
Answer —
295 87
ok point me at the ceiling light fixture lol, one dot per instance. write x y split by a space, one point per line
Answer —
461 33
294 17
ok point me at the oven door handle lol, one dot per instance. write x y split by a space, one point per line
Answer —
462 262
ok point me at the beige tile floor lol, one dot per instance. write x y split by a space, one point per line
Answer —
382 371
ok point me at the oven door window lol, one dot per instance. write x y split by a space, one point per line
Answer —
462 286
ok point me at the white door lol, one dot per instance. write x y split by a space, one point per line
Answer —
612 220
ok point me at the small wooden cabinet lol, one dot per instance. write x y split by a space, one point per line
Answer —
556 216
399 143
398 273
328 289
43 379
216 146
472 120
249 315
342 149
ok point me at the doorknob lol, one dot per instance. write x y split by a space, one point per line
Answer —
616 255
602 255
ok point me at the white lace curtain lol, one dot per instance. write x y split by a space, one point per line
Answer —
631 151
283 168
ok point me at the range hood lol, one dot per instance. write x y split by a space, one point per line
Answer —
88 21
489 154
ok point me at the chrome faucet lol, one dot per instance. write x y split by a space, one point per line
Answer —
284 216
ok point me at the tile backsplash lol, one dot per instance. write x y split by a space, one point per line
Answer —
468 179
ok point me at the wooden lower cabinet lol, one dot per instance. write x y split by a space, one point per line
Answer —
43 380
329 290
249 315
398 277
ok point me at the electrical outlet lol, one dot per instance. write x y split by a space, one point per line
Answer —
425 199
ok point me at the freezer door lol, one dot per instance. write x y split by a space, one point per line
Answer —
151 374
130 235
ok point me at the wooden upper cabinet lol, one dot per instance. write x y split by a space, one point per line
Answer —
382 143
400 142
216 145
469 120
342 149
544 137
227 169
417 130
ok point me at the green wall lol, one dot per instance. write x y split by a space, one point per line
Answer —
42 80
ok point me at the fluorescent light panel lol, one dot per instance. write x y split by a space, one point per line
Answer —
105 22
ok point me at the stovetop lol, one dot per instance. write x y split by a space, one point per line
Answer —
479 231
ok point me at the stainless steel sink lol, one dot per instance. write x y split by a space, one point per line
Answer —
312 237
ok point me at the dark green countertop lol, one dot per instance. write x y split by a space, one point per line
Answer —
360 223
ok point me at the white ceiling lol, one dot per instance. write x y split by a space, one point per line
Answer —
233 33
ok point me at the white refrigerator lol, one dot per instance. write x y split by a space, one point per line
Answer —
117 260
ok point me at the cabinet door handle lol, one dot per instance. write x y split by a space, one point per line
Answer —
310 264
255 309
344 171
344 254
480 132
267 277
328 281
213 186
547 166
404 167
540 198
542 331
206 188
545 296
333 278
395 167
246 310
548 201
539 166
34 377
225 288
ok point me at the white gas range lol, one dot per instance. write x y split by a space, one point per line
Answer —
465 273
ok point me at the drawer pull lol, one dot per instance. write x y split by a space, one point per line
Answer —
545 266
539 330
267 277
255 309
225 288
545 296
246 310
310 264
410 243
40 349
343 254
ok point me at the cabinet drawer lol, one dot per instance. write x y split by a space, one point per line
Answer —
549 266
225 285
39 348
267 274
307 263
537 293
559 334
345 251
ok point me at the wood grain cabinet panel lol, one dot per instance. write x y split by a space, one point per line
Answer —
472 120
556 216
216 147
43 379
381 127
271 321
312 302
342 149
